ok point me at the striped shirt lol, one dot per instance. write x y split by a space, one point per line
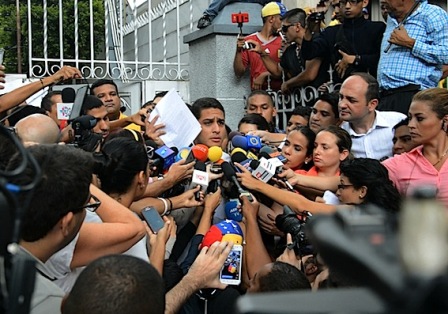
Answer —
422 65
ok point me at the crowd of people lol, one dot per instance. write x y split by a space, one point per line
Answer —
372 141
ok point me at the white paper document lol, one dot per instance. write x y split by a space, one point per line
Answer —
181 126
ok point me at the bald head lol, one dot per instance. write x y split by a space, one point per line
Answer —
38 129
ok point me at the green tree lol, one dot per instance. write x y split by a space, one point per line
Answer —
8 31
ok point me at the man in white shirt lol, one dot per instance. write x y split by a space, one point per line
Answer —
371 130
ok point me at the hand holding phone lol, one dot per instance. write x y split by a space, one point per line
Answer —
231 271
153 219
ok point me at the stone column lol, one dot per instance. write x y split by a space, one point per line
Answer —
211 54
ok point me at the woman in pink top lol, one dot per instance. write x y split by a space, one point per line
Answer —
425 164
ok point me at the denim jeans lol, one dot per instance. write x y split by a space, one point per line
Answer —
217 6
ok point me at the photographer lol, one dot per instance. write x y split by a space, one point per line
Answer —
264 274
299 72
351 46
270 43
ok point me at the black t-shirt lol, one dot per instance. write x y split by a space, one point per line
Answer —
294 63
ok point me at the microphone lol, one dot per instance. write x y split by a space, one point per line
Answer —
214 153
277 155
277 164
248 142
249 155
200 152
199 177
233 134
183 153
232 211
68 95
166 155
230 174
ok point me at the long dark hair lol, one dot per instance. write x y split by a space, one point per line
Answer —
373 175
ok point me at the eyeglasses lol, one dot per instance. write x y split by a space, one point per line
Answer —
343 186
352 2
286 27
92 207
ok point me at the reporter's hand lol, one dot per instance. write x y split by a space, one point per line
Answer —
267 223
179 171
65 73
187 199
136 118
212 200
204 273
163 235
289 256
154 131
246 178
211 175
250 209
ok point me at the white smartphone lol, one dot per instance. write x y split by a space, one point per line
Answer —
231 271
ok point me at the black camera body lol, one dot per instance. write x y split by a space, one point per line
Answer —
289 222
317 16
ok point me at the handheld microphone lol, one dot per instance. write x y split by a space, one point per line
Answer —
200 152
277 163
232 211
199 177
183 153
263 169
167 155
68 95
248 142
214 153
230 174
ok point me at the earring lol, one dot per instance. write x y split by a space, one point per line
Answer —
306 162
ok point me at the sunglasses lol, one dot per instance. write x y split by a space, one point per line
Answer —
286 27
92 206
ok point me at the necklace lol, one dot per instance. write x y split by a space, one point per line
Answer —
441 157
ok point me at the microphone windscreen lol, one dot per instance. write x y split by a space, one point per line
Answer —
200 152
232 134
183 153
228 170
232 211
239 141
238 150
268 149
68 95
254 164
174 149
214 153
200 165
264 154
238 157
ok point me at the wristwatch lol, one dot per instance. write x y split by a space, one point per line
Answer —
357 60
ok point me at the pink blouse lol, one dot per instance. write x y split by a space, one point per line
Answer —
410 170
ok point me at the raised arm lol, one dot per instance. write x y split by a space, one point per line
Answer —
296 201
119 230
19 95
255 252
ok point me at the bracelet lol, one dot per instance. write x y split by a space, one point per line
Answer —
171 205
165 204
42 82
